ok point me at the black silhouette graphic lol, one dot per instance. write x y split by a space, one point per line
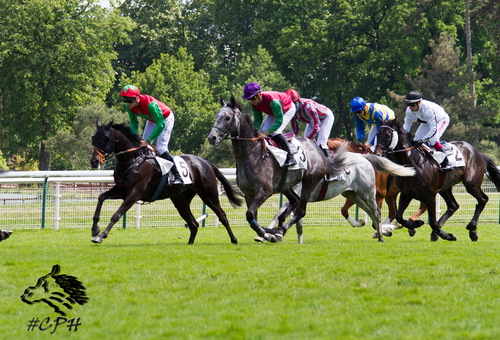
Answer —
60 292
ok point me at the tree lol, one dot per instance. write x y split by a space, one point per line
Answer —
54 57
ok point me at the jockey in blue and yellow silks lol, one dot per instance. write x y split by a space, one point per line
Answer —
370 113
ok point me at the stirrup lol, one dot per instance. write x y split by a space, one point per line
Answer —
290 161
177 181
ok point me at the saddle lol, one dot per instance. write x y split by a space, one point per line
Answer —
450 152
280 154
288 136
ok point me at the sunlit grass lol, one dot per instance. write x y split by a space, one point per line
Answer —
340 284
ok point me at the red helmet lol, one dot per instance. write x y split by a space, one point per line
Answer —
130 91
294 94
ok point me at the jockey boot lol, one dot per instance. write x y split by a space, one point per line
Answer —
325 152
445 165
177 177
282 142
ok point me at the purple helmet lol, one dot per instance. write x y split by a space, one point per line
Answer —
250 90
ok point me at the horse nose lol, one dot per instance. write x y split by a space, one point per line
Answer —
212 139
94 163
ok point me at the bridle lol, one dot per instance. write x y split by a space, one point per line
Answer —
227 133
390 149
103 156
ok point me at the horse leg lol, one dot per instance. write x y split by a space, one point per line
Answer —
211 199
419 212
253 204
293 201
482 199
124 207
345 212
436 228
404 201
300 230
182 203
113 193
369 205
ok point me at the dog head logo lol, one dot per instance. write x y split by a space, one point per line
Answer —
59 291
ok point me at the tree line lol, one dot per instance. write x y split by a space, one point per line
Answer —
64 62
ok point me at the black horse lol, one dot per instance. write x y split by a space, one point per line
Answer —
430 180
138 179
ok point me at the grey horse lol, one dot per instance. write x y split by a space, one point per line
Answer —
258 174
355 175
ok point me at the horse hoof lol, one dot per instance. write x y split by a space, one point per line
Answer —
419 223
411 232
234 241
97 239
473 235
375 234
381 239
270 238
259 239
452 237
387 233
279 237
434 237
95 231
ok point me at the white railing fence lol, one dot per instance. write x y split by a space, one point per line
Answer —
67 199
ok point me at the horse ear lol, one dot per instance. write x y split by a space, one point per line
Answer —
222 102
98 123
55 270
109 125
233 101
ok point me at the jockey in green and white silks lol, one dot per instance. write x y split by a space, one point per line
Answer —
159 124
369 113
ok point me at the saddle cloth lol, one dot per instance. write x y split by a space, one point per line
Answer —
181 165
297 150
455 156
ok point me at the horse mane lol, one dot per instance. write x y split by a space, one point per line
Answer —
127 132
234 104
404 136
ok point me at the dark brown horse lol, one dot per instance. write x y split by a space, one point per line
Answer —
430 180
385 185
136 178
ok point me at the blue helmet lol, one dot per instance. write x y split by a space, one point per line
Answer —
357 104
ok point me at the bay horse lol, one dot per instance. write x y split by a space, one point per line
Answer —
430 180
138 179
385 185
259 175
356 182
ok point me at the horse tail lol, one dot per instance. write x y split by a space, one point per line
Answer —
492 171
231 191
337 163
386 166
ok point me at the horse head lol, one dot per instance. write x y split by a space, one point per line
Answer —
228 121
58 291
103 143
389 137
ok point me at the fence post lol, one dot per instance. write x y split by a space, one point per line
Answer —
137 215
57 218
124 221
44 201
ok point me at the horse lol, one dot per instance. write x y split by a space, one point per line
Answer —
357 177
59 291
386 188
4 234
258 175
430 180
136 178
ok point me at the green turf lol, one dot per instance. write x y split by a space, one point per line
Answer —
340 284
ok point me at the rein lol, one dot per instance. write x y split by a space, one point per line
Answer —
103 155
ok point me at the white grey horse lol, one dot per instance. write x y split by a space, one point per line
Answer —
356 181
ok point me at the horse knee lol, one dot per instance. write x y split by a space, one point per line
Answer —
345 212
250 216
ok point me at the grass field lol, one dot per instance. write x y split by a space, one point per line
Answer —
340 284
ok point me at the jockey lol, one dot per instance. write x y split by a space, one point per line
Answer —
434 121
159 124
279 110
370 113
319 119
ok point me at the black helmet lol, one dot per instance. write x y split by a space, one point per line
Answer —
413 96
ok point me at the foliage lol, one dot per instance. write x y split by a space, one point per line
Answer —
173 81
72 148
54 57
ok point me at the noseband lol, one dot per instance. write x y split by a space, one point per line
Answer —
393 143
